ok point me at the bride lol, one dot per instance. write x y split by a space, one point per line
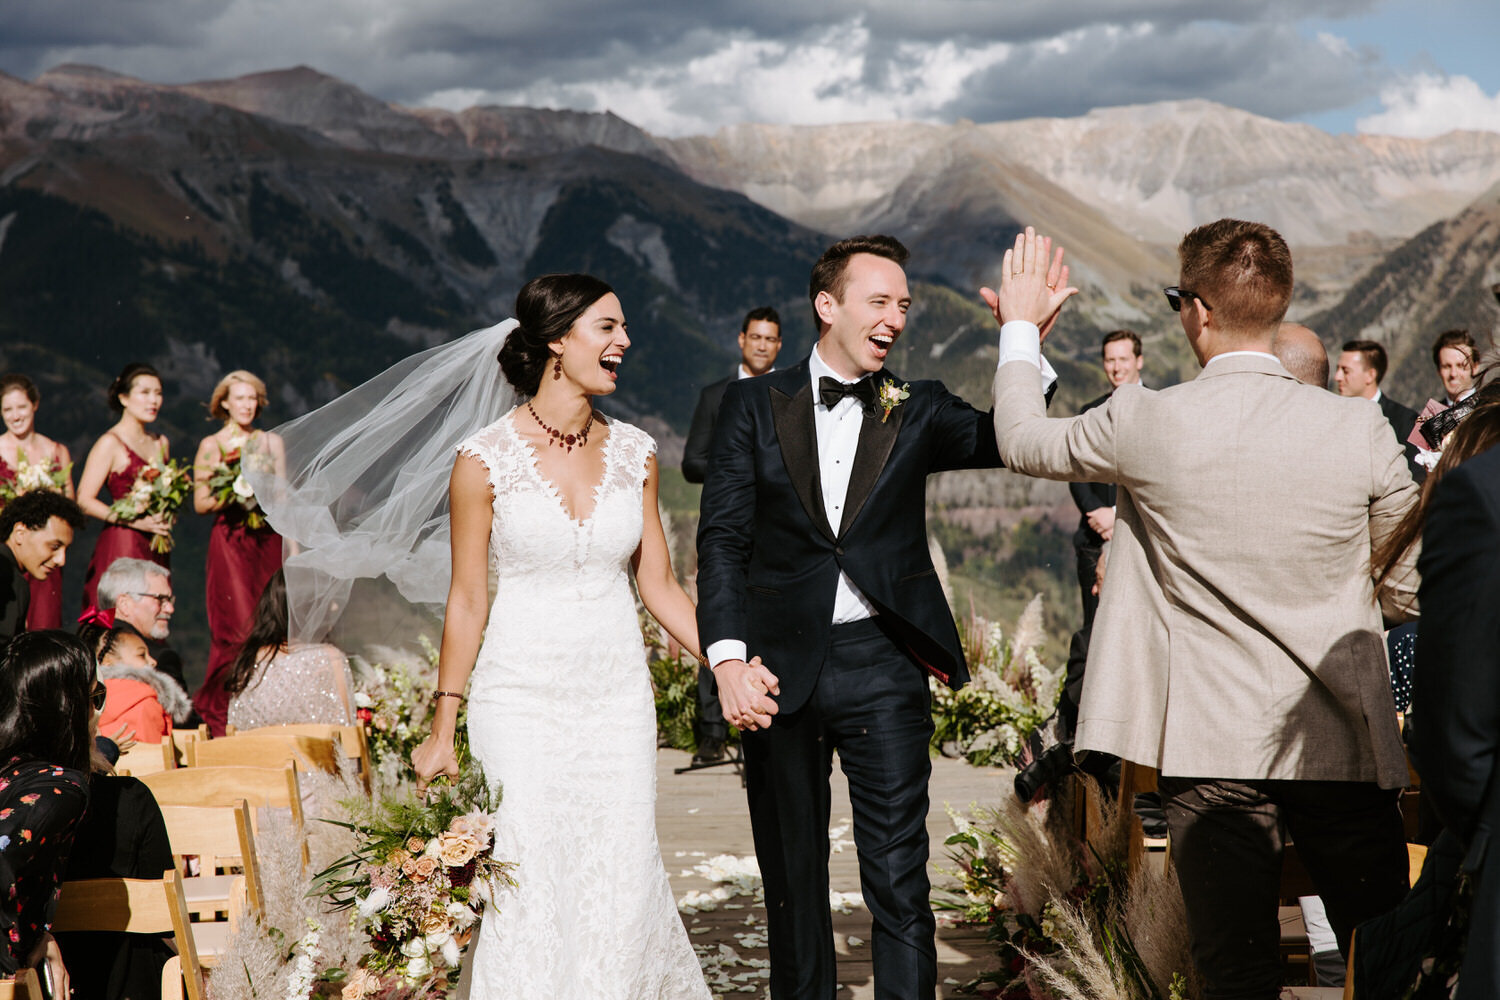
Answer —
562 502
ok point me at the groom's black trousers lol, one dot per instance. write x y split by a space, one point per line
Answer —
872 705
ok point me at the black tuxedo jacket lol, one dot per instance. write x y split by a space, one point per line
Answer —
768 560
1455 709
15 596
1091 496
701 432
1402 419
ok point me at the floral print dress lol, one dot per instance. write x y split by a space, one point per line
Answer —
40 806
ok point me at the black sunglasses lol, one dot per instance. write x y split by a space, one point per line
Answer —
99 695
1177 296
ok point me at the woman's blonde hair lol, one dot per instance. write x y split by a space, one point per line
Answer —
216 408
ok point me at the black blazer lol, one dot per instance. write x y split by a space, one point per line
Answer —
15 596
701 432
1091 496
1455 715
1402 419
768 561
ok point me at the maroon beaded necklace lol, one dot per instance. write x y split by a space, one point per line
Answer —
557 437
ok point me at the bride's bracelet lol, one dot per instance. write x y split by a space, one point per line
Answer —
449 694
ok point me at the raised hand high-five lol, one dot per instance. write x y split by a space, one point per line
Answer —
1033 283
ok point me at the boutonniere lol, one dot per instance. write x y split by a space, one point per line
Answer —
891 396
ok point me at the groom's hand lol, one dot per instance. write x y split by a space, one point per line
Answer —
745 693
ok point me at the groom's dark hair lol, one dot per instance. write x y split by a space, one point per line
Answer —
829 273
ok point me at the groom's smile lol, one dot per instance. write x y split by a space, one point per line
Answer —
865 319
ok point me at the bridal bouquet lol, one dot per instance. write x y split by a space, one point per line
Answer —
229 486
160 488
31 476
418 880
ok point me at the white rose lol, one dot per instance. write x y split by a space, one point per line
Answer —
418 968
462 916
362 700
414 948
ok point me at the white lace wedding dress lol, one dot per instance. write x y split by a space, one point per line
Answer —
561 713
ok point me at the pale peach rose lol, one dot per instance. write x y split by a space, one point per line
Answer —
435 922
398 858
423 868
361 985
415 845
409 869
457 850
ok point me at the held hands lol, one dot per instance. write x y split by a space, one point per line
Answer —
1102 520
1033 283
745 693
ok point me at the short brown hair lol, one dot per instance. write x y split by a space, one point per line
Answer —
1242 271
216 408
1373 354
1454 338
829 274
1114 335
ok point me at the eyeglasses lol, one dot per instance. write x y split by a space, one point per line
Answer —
1177 296
99 695
158 598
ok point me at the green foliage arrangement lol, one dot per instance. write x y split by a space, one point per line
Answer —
674 681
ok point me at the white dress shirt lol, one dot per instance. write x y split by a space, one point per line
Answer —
838 439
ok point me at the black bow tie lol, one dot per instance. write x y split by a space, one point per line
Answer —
831 390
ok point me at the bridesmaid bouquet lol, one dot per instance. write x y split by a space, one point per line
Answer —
229 486
30 476
160 488
418 880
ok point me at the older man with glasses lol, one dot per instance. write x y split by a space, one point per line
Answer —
139 594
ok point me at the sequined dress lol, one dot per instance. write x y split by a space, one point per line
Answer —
561 714
307 683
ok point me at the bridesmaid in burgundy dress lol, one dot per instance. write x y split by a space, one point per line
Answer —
242 557
19 401
113 463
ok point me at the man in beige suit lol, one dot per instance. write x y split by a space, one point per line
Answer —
1238 645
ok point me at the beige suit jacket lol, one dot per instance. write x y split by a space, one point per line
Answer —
1238 633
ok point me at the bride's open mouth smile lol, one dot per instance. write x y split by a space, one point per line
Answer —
611 363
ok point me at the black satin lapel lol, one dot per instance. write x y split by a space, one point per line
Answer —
793 419
876 439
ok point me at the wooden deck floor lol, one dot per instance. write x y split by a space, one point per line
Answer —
702 815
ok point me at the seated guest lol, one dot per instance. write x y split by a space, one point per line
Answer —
36 529
47 693
122 835
142 700
139 592
273 682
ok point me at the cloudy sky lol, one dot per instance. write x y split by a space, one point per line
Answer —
678 67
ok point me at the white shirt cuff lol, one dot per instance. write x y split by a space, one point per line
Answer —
1022 341
724 649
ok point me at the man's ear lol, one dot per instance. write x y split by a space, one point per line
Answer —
824 305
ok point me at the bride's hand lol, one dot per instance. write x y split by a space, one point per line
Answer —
432 758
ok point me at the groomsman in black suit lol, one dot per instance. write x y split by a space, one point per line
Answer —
1123 361
1362 367
812 554
760 342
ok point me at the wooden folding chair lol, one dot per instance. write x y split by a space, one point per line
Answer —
351 739
147 758
24 986
219 837
265 751
138 906
180 740
260 787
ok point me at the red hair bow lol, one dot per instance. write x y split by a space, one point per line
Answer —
103 617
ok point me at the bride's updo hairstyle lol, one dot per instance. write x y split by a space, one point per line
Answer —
546 308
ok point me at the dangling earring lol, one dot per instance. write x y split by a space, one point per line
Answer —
556 368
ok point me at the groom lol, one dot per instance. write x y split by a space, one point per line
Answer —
812 555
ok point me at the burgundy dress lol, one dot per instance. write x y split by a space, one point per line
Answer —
46 595
117 541
241 561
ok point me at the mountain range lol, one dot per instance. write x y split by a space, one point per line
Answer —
289 223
